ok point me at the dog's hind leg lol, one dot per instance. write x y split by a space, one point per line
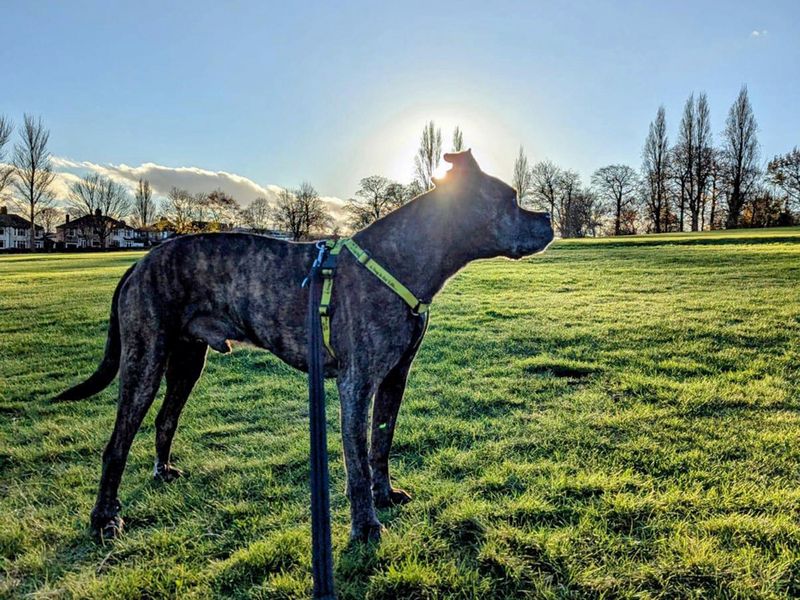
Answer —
384 418
142 366
184 367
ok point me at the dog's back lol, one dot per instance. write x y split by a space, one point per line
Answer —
210 288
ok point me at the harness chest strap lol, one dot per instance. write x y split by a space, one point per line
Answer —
328 269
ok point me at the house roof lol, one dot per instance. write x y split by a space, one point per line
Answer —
89 221
7 220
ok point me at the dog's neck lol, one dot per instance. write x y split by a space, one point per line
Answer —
420 244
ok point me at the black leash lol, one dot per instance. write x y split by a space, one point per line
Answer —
321 548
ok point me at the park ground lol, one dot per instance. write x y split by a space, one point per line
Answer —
614 418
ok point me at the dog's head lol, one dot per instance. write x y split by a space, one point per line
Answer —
486 212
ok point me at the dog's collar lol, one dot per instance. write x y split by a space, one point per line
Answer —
328 267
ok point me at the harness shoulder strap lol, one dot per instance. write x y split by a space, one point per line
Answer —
417 306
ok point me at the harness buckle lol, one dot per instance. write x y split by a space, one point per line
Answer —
322 246
415 310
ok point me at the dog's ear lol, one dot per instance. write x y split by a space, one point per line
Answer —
462 161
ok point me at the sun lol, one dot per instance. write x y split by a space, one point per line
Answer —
441 170
391 144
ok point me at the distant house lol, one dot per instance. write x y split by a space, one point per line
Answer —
15 231
209 227
157 233
273 233
84 233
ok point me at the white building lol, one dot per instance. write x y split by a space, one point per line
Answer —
15 232
85 233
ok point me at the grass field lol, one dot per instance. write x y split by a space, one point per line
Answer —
614 418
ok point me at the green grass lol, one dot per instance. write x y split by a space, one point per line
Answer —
614 418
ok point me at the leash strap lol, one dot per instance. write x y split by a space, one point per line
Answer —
319 334
321 548
328 269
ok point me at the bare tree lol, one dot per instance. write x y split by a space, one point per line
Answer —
575 211
180 210
102 201
315 213
258 215
545 188
522 179
376 196
784 172
702 156
33 171
288 215
219 209
587 213
569 200
48 217
716 185
617 185
740 155
684 157
655 171
458 139
197 211
412 190
6 171
428 155
300 212
144 207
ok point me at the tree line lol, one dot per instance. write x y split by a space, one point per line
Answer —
29 175
691 184
300 213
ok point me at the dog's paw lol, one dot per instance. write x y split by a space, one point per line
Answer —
166 472
394 497
109 530
369 532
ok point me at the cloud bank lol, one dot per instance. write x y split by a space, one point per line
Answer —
162 179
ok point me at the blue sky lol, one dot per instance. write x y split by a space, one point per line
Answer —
282 92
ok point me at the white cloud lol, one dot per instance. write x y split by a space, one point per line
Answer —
758 33
59 188
163 178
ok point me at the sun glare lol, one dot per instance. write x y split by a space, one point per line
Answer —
391 146
441 169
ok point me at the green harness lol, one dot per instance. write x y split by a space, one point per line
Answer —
327 269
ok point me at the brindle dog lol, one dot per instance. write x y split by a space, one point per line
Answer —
204 290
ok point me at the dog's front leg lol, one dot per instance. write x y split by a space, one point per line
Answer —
354 396
384 419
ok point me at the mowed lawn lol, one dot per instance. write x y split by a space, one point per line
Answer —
614 418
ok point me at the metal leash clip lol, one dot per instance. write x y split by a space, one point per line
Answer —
323 248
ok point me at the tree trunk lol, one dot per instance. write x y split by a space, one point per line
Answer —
703 214
33 231
734 206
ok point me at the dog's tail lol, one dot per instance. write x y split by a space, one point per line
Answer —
109 366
